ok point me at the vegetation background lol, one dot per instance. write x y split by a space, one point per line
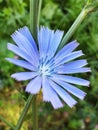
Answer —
56 14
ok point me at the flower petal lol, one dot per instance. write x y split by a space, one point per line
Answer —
71 89
68 57
24 75
44 38
48 41
22 63
26 46
34 85
19 52
50 95
75 64
57 36
71 79
63 94
72 71
25 31
67 49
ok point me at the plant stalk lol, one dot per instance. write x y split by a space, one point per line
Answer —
91 6
73 28
34 4
33 27
34 113
24 112
39 11
8 123
35 8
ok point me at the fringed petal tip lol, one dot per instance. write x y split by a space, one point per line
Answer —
61 105
82 54
55 106
88 85
34 85
83 96
7 59
14 77
22 28
89 70
22 76
75 42
72 103
8 45
58 107
30 92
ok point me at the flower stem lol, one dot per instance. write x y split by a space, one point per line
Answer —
24 112
73 28
34 11
90 6
39 11
34 113
35 7
8 123
34 17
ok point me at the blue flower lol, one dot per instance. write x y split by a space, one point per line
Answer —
49 70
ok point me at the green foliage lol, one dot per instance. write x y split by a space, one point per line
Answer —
56 14
13 15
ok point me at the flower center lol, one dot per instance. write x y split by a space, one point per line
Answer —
44 70
45 67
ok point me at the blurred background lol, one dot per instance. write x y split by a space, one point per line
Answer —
56 14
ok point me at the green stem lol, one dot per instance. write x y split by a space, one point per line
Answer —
35 7
24 112
34 113
89 1
33 27
6 122
34 17
73 28
91 6
39 11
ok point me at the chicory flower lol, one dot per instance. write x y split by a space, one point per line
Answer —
48 69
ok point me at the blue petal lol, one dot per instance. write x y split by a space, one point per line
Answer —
71 70
68 58
71 79
22 63
44 38
75 64
25 31
24 75
55 42
49 41
63 94
50 95
34 86
67 49
71 89
26 46
20 52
